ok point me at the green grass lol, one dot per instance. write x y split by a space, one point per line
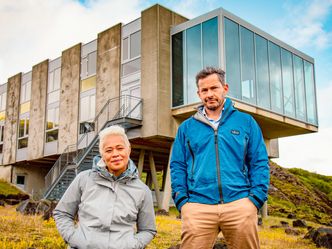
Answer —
7 189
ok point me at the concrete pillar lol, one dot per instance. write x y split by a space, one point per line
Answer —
69 96
167 188
38 111
11 121
155 70
272 147
108 71
154 179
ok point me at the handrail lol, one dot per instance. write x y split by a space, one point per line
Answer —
72 155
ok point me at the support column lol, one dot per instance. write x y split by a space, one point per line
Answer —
167 187
141 162
154 179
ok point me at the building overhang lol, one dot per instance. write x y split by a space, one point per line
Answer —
273 125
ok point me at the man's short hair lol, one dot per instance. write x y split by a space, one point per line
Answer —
211 70
114 130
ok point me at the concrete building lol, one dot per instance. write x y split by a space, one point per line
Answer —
141 75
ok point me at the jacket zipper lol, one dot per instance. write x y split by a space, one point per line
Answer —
218 164
193 156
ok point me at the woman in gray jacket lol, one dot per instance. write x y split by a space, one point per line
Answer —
114 207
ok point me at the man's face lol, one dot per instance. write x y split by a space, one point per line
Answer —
211 92
115 154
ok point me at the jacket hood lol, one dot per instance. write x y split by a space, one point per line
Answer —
99 166
228 109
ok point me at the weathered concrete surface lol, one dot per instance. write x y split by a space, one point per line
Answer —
38 110
11 122
108 69
69 96
155 71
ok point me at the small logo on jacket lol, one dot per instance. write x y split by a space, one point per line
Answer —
235 132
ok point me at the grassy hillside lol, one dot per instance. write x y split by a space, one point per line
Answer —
8 189
305 194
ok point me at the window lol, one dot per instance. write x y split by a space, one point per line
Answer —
288 84
23 131
89 65
87 112
131 52
2 130
299 88
310 92
177 65
20 179
3 98
210 42
232 50
25 92
52 124
275 78
262 72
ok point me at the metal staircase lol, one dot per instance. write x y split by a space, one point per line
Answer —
124 110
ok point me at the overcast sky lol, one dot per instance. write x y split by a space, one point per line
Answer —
35 30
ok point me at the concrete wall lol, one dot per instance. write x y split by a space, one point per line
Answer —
272 147
108 68
69 96
156 71
34 178
38 110
11 122
5 173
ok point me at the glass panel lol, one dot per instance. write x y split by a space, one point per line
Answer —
84 108
287 79
125 49
210 42
2 130
22 97
52 136
310 92
2 115
131 67
262 73
275 78
1 148
88 84
50 119
135 44
92 63
194 61
84 67
232 50
28 91
92 105
20 180
50 82
56 117
86 127
21 128
57 79
3 102
177 69
27 126
248 66
22 143
299 88
53 97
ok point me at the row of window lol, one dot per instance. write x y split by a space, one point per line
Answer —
258 71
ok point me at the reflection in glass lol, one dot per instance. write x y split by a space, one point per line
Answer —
125 49
135 44
248 66
210 42
287 79
52 135
299 88
177 69
262 72
232 50
131 67
310 92
194 61
275 78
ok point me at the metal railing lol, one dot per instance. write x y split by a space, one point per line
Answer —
124 106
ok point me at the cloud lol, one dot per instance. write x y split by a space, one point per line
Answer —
303 26
32 31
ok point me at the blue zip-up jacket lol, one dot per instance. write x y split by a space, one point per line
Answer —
219 165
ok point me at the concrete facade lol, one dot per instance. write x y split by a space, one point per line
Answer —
155 70
108 68
12 119
69 96
38 111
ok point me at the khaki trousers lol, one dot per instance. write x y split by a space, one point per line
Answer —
201 224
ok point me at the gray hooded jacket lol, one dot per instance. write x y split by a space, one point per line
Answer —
113 212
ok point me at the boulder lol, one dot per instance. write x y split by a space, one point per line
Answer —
321 236
2 203
299 223
27 207
291 216
284 223
162 212
12 201
292 231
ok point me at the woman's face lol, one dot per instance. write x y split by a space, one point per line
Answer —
115 154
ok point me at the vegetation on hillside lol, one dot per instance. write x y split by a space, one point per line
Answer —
8 189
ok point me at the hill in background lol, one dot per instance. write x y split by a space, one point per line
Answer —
297 191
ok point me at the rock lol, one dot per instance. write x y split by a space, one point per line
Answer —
291 216
292 231
275 226
299 223
162 212
12 201
322 237
2 203
282 210
49 212
284 223
27 207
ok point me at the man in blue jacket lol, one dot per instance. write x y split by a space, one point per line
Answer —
219 170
